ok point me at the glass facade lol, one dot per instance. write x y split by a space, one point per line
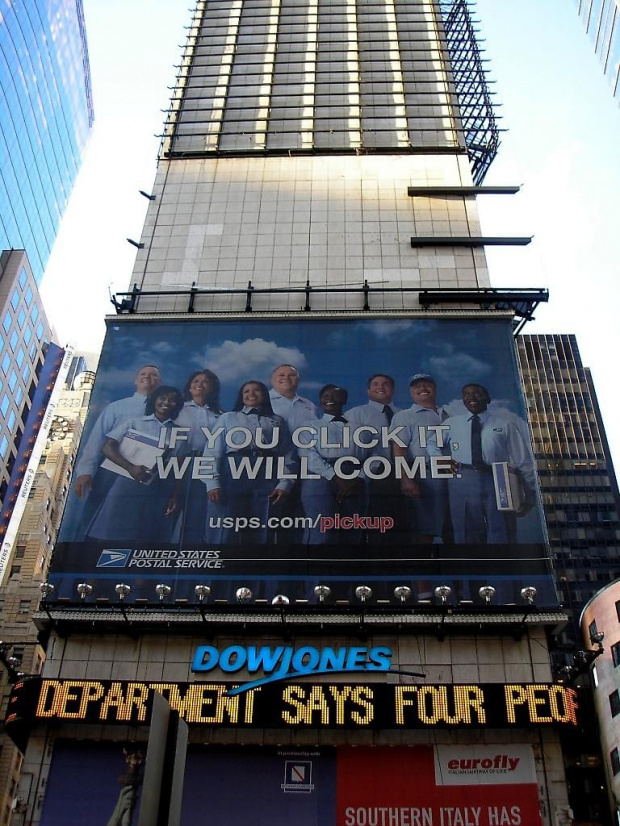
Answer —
46 113
580 492
602 21
24 338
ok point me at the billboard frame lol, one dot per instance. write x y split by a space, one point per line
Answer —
206 608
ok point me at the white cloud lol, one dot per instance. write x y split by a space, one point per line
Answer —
388 328
252 358
460 364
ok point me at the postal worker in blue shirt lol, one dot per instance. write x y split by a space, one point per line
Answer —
296 411
328 441
384 496
248 496
91 482
139 503
147 379
285 401
475 441
427 497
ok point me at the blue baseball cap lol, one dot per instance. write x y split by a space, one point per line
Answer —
421 377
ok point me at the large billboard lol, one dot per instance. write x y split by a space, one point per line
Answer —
279 454
481 785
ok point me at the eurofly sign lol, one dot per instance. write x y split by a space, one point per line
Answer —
284 662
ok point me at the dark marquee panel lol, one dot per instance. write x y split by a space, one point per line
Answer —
296 705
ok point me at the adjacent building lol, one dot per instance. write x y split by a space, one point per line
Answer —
601 622
28 566
46 112
602 24
24 338
576 472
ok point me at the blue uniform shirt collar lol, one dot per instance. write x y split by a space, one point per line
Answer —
482 416
275 395
380 405
418 408
152 418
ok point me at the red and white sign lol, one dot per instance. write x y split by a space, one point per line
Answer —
442 786
490 765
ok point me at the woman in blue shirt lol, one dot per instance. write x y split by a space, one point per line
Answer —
139 503
260 436
202 409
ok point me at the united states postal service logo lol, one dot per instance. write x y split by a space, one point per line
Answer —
298 776
114 558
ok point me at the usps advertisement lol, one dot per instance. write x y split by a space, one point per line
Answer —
399 786
279 454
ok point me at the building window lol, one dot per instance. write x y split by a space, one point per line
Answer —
22 278
614 703
40 330
4 444
34 313
19 358
28 296
12 380
615 762
15 300
6 323
14 340
19 395
10 422
27 335
615 654
21 318
4 404
6 363
24 606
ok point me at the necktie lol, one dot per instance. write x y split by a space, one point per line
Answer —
388 412
476 442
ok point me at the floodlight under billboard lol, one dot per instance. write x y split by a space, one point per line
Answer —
284 454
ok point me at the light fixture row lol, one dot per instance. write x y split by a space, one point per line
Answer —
244 595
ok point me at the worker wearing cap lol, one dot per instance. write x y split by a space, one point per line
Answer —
427 497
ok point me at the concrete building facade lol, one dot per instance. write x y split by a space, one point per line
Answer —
29 565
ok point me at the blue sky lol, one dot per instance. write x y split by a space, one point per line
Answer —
454 351
562 146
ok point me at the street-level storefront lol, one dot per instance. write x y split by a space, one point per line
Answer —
395 730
